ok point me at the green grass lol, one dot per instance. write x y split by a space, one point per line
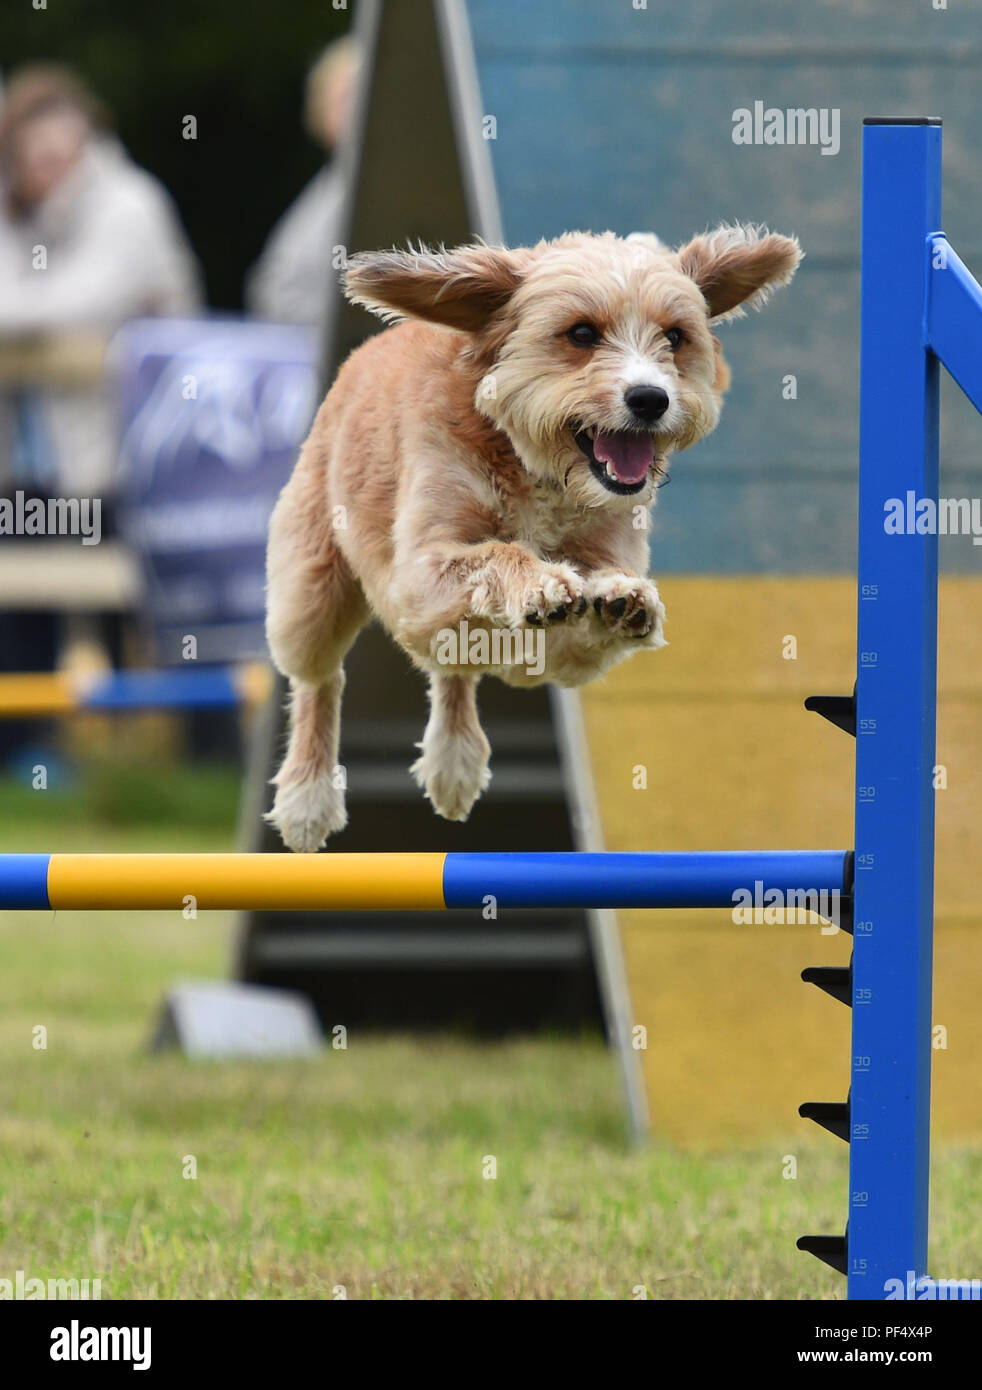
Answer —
363 1169
169 807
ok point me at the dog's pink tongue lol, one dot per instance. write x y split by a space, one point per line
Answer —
629 454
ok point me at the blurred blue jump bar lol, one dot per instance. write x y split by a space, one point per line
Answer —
208 688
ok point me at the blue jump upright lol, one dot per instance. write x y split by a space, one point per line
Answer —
896 715
920 307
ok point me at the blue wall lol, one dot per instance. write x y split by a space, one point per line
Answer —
612 117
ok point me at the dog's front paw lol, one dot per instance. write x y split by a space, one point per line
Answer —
543 597
554 595
628 607
306 813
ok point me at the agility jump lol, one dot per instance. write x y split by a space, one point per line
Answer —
920 306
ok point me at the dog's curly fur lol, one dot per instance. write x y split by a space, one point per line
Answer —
480 462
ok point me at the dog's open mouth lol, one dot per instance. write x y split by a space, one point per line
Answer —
619 459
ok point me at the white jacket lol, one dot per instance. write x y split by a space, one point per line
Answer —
114 250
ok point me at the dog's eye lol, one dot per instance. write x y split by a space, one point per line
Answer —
583 335
675 338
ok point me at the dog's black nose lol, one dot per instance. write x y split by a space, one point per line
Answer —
648 403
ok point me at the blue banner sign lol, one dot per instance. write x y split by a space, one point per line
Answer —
213 413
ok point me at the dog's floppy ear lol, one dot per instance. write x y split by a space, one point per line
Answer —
459 289
737 267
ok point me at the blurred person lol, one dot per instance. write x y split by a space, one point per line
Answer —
87 241
290 281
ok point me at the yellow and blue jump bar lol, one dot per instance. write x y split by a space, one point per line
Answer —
407 882
43 694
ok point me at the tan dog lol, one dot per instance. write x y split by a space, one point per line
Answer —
479 479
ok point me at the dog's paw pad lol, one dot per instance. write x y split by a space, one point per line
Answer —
629 607
617 608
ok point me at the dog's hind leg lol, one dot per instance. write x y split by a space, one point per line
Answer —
452 768
315 610
309 804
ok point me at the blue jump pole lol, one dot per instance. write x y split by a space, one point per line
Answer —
889 1111
789 880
